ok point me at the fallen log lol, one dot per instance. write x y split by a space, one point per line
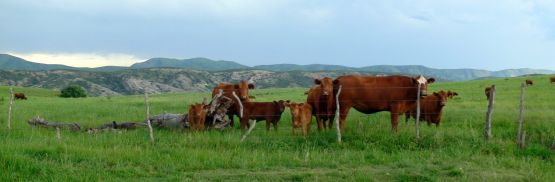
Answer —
37 121
168 120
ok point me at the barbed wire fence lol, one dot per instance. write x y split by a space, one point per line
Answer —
523 139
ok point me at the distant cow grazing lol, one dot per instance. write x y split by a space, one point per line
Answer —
321 98
241 90
552 80
431 108
301 116
529 82
368 94
20 95
487 92
197 115
262 111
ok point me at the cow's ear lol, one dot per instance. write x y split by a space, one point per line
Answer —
317 81
335 82
251 86
431 80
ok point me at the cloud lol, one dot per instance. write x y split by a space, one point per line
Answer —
80 59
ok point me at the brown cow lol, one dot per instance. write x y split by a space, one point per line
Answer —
529 82
197 115
369 95
552 80
241 90
431 108
19 95
320 97
301 116
262 111
488 92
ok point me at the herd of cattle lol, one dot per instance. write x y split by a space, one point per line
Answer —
366 94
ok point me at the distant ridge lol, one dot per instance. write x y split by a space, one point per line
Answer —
9 62
193 63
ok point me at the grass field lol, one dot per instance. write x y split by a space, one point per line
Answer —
454 152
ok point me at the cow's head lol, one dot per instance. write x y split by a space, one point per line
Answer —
326 84
295 109
197 115
441 98
280 105
243 89
423 82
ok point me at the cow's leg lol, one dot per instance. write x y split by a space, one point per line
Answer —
231 123
244 123
319 122
275 125
394 118
343 112
267 124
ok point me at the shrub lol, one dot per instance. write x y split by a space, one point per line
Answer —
73 91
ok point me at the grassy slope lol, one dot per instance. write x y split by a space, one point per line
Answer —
453 152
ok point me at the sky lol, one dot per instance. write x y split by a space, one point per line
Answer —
491 34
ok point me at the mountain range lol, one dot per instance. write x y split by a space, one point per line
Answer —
201 74
9 62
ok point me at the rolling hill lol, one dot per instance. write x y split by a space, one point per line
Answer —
193 63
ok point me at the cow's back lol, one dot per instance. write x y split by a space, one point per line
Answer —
372 94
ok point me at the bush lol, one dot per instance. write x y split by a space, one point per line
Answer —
73 91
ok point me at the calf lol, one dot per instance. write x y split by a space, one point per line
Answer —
301 116
262 111
487 92
431 108
552 80
529 82
197 115
19 95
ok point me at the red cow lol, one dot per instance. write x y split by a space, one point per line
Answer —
552 80
431 108
241 90
368 94
529 82
262 111
320 97
19 95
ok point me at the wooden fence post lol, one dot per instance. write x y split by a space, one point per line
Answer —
58 134
491 101
249 131
418 113
337 114
521 113
522 142
147 110
553 144
240 104
10 109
